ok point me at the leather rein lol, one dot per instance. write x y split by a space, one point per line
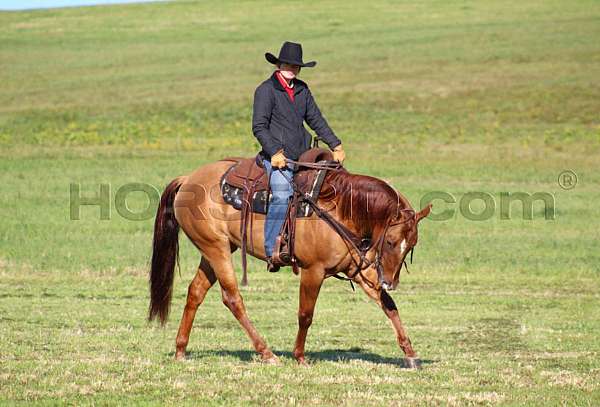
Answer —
356 245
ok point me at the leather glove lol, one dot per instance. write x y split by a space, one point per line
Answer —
278 160
339 154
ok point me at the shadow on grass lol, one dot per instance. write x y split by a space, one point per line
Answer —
326 355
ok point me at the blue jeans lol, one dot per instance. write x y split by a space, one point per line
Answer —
281 190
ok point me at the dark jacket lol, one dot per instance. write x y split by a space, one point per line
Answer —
277 122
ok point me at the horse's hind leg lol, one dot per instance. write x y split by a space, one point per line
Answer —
204 279
383 299
233 300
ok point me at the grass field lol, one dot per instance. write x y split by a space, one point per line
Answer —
435 96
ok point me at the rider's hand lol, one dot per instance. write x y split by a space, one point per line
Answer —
339 154
278 160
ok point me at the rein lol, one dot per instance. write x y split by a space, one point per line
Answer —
353 242
316 166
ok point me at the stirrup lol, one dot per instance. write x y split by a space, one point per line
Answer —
281 256
271 268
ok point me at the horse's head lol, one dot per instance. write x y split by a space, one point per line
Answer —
399 240
374 210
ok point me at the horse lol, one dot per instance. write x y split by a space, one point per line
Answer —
369 208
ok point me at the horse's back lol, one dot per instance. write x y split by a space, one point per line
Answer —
209 174
199 196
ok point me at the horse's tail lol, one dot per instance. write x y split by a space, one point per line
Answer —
165 254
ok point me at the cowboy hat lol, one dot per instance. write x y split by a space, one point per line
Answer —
290 53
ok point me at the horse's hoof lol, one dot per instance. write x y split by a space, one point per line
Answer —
271 360
412 363
302 362
179 356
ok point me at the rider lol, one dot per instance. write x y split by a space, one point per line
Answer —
281 104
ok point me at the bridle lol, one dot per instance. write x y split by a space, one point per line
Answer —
356 246
378 262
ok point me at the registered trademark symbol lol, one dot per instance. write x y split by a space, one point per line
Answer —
567 179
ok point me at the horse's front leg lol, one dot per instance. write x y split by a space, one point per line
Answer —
310 284
386 303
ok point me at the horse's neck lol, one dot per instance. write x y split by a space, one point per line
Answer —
347 223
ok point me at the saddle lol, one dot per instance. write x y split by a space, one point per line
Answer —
247 180
245 186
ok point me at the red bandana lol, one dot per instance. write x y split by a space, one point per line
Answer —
288 89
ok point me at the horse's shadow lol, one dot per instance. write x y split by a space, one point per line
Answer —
326 355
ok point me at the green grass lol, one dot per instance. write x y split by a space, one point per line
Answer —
439 96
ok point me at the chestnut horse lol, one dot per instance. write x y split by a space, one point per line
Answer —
367 206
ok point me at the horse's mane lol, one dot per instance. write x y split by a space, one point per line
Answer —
368 202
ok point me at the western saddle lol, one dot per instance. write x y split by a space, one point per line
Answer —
245 186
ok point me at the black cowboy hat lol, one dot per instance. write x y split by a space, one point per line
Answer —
290 53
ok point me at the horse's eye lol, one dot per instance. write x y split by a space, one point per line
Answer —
389 243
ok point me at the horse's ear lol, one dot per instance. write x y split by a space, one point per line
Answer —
424 212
